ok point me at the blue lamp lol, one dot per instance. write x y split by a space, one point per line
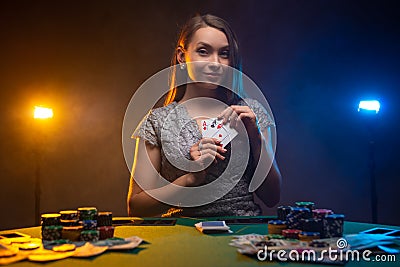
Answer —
369 105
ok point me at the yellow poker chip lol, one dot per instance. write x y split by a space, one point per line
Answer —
5 241
29 246
64 248
49 255
8 251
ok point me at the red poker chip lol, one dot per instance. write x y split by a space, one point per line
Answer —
106 232
291 233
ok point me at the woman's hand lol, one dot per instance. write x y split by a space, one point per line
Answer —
235 113
207 150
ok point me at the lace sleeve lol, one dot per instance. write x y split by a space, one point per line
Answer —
148 129
264 118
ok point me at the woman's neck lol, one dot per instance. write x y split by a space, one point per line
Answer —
202 102
194 90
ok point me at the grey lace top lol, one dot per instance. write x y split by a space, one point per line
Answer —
179 133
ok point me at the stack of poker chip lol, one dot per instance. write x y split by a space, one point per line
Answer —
333 225
69 218
291 233
88 219
104 218
305 204
104 225
70 222
309 236
321 213
276 226
294 218
283 212
304 217
51 227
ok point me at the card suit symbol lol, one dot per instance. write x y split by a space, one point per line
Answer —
204 128
219 126
220 135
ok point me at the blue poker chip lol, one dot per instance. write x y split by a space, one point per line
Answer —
89 224
299 209
310 233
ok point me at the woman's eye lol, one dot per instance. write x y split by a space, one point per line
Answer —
202 51
224 54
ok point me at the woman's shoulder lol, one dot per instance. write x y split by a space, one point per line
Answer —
251 102
263 113
149 127
162 112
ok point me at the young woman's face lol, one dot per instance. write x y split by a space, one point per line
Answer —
207 56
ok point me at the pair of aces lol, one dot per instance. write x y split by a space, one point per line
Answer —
213 128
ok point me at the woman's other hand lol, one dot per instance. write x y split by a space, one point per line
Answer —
207 150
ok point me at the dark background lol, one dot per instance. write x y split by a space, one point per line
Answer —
314 61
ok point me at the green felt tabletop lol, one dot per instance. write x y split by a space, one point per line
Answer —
183 245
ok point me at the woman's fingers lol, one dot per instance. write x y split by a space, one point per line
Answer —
225 115
211 146
235 113
213 153
207 149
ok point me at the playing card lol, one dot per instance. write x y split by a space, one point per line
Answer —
89 250
210 126
221 134
231 134
225 134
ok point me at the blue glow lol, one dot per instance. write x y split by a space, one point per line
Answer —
369 105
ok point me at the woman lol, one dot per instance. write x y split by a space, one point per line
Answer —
170 145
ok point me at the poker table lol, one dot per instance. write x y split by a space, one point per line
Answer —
182 245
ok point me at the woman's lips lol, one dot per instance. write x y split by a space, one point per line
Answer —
215 75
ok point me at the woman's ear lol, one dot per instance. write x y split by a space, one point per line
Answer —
180 55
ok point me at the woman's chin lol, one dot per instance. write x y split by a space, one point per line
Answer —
209 86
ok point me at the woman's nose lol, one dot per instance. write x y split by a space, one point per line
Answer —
215 58
214 62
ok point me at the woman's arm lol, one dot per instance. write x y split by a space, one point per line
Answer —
262 152
146 166
270 189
